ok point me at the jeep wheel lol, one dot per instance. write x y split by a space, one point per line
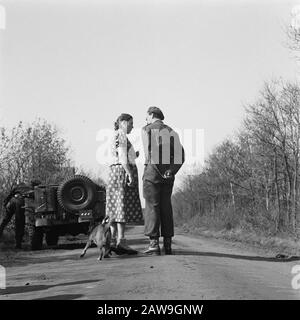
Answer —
35 237
51 238
76 193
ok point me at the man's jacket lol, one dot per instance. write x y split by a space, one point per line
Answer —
163 151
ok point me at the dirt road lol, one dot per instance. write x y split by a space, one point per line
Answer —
200 268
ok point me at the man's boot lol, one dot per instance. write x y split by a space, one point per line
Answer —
168 245
153 248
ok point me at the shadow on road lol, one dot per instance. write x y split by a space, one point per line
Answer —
22 258
62 297
29 288
234 256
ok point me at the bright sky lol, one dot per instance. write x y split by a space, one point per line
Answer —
79 64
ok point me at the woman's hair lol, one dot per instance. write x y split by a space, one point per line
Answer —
122 117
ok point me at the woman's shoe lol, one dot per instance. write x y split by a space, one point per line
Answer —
123 248
113 247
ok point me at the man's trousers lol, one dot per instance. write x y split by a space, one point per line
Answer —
158 209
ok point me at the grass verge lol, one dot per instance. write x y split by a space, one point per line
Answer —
280 243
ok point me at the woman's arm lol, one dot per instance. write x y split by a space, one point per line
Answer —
124 161
123 156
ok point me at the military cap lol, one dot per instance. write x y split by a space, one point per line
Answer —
157 112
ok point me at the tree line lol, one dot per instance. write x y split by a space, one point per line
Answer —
33 151
254 177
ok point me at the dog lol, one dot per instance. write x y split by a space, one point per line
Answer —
101 236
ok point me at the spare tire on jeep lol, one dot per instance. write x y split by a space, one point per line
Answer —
76 193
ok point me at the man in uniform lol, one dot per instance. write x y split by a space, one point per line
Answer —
14 205
164 156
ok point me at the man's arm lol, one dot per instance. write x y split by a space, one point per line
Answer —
8 198
178 157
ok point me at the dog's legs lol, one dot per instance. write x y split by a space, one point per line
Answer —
100 253
107 253
88 244
103 251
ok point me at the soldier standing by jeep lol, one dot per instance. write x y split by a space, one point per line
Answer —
14 205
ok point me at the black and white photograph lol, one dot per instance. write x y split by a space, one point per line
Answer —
149 154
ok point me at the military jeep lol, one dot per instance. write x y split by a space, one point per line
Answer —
67 208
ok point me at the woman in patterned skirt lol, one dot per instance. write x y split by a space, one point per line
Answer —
122 194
